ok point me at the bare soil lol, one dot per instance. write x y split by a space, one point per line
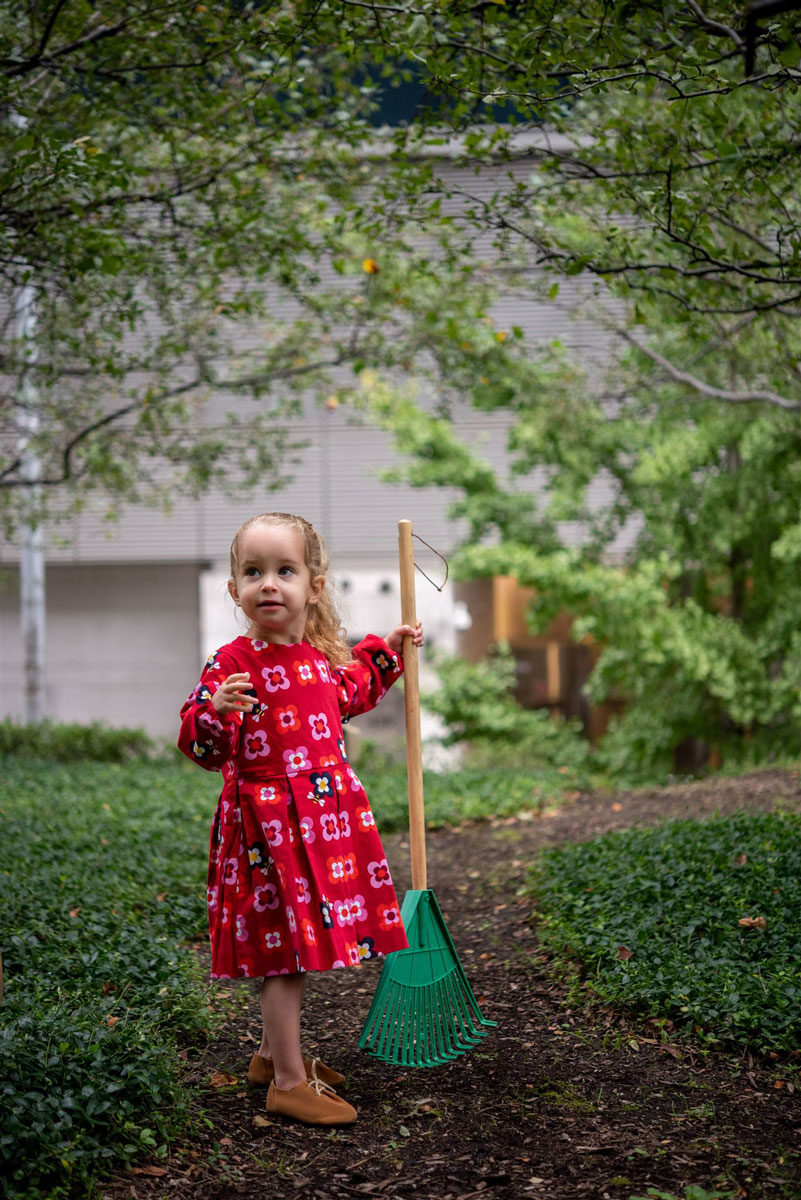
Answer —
558 1102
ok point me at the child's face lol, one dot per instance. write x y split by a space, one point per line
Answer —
273 586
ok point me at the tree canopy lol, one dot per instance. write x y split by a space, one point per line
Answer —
167 171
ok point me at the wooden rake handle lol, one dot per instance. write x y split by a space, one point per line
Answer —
414 749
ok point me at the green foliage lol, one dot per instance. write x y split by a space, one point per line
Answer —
102 870
467 794
476 702
64 742
672 898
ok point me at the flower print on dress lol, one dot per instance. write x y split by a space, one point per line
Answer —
257 855
265 896
287 718
342 749
319 726
329 824
355 782
296 760
211 897
256 745
351 869
325 913
322 787
203 750
213 661
268 795
389 916
336 868
275 679
210 722
304 672
245 965
385 661
344 823
273 831
307 830
307 929
349 911
258 645
367 949
272 939
352 951
366 818
225 915
321 667
230 871
290 918
379 874
241 930
302 886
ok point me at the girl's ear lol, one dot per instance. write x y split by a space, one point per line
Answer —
232 592
316 588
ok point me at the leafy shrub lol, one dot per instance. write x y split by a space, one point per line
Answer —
476 702
103 869
654 916
50 740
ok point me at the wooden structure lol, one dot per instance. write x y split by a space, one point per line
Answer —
551 668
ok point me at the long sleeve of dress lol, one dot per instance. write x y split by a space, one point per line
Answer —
362 683
205 737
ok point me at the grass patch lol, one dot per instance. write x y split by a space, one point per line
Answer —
102 870
653 916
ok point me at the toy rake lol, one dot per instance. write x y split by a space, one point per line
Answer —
424 1011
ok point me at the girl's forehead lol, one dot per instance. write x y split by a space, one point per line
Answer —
273 541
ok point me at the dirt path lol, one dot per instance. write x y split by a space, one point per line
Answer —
553 1104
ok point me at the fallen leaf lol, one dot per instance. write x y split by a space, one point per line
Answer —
74 912
753 922
259 1121
741 860
778 1083
226 1141
151 1169
112 1020
617 807
222 1079
624 954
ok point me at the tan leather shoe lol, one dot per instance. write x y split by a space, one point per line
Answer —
261 1071
312 1102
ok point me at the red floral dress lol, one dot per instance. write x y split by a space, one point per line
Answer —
298 879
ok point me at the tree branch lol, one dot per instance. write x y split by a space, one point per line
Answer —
706 389
715 26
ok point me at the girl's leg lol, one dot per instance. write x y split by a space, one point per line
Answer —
281 999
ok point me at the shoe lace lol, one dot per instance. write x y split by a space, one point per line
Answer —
317 1083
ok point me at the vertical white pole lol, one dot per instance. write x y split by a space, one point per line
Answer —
31 567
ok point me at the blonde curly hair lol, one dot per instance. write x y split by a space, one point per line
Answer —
323 626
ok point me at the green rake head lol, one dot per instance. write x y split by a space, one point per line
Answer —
424 1011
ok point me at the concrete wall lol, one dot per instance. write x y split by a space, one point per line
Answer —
122 643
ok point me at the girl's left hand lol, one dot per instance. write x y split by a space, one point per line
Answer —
395 639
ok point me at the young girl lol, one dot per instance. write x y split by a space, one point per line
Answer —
298 880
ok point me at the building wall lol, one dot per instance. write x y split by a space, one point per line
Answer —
122 643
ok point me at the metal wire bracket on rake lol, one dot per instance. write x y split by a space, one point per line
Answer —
424 1012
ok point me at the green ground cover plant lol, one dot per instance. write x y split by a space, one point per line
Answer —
697 921
102 872
65 742
102 869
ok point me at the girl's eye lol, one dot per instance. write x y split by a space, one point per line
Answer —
251 571
285 571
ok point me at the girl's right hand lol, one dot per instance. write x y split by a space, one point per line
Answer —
229 695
